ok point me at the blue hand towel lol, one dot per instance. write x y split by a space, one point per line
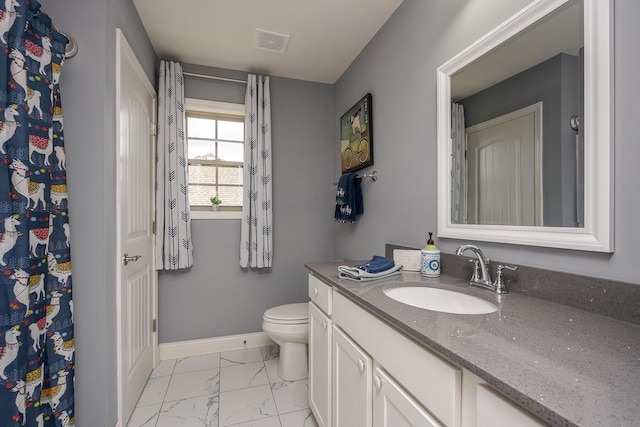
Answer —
353 273
348 198
377 264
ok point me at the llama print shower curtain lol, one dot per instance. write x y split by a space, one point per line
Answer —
36 309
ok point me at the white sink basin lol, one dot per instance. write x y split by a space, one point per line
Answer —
440 300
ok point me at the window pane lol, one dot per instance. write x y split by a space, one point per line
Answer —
230 196
201 128
198 149
200 194
232 131
220 139
202 174
231 175
231 151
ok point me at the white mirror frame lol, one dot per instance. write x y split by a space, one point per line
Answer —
597 234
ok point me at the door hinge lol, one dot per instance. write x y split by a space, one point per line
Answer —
154 129
153 226
154 325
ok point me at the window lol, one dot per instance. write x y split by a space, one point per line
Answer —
215 147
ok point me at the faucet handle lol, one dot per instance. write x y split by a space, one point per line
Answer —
500 286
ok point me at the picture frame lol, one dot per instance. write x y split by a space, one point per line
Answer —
356 136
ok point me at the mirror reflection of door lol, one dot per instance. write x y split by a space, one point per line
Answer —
504 169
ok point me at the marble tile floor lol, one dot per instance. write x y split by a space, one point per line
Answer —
229 389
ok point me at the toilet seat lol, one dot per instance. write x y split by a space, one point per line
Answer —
288 314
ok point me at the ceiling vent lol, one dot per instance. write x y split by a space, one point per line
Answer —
270 40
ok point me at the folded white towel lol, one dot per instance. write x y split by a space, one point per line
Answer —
353 273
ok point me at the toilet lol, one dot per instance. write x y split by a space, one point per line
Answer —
288 326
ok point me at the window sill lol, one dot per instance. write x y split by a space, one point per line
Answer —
196 215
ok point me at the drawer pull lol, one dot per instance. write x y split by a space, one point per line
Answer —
315 292
378 382
324 325
361 365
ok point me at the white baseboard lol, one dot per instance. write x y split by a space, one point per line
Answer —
173 350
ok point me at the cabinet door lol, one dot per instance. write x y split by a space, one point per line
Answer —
320 365
352 400
394 407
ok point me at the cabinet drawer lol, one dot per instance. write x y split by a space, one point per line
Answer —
320 294
496 411
436 383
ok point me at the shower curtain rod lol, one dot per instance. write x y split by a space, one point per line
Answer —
205 76
72 47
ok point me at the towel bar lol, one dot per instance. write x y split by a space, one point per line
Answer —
373 175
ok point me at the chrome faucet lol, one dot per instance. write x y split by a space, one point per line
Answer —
482 279
481 276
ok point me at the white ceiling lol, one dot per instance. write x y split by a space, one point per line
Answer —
326 35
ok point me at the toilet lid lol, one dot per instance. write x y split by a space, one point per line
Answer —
288 313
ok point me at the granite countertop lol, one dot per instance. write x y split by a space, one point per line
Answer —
567 366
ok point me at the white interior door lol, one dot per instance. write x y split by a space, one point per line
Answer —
137 285
504 169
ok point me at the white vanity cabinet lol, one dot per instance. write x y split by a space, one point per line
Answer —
365 373
320 357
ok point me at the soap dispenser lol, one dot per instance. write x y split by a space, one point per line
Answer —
430 259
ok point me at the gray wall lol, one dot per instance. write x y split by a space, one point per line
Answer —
220 297
400 207
88 99
555 83
398 67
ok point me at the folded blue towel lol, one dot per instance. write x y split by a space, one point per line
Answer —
348 198
376 264
358 275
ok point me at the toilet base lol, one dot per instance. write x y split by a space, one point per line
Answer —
293 364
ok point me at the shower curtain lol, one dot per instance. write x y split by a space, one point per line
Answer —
36 309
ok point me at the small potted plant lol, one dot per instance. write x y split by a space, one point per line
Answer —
215 204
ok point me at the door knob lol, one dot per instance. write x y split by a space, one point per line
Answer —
126 258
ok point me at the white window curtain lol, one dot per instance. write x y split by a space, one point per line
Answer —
256 247
458 170
173 236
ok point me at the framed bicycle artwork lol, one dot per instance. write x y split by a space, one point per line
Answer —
356 136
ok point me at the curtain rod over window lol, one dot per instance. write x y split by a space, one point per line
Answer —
205 76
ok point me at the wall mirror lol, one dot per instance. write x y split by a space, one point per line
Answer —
525 130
